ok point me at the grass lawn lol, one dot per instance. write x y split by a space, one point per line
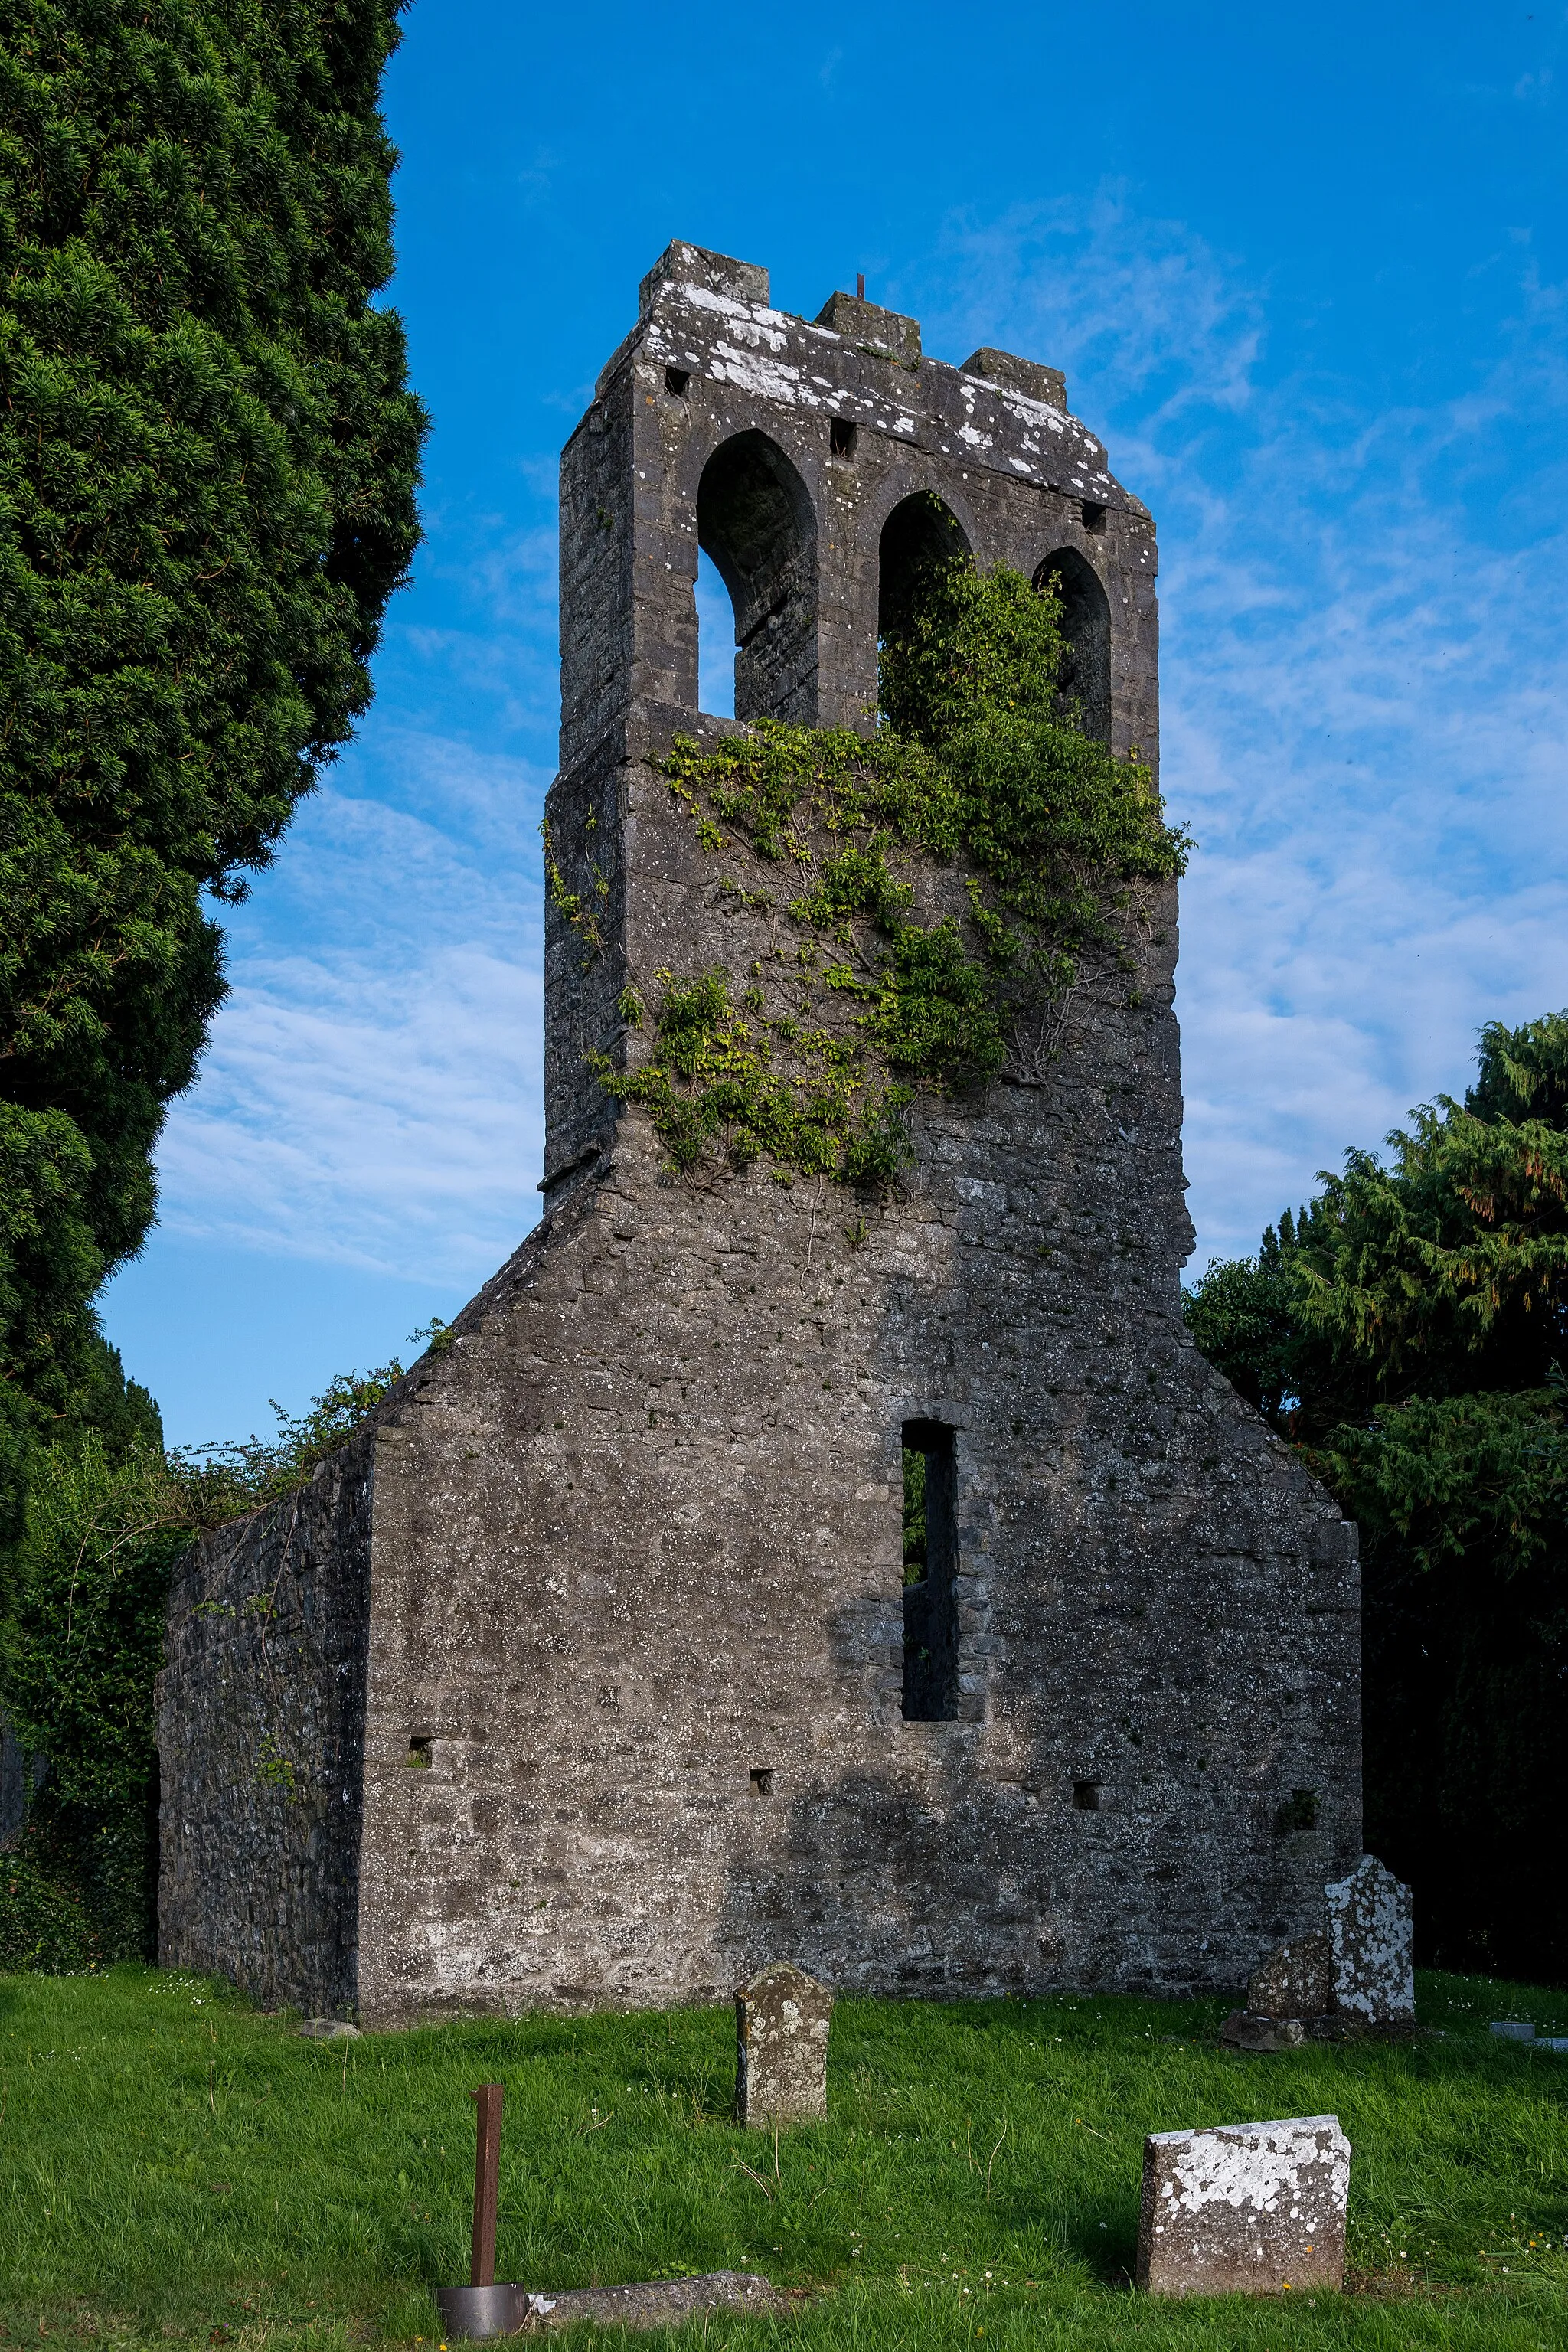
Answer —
175 2167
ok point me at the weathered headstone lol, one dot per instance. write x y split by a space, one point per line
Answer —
1372 1939
1249 2209
781 2019
1297 1980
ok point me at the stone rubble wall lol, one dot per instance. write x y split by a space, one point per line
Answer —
644 1537
260 1735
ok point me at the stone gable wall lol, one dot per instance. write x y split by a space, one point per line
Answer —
260 1736
647 1542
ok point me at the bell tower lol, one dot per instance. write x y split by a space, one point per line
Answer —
818 464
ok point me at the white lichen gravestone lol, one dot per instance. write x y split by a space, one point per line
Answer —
782 2020
1372 1941
1249 2209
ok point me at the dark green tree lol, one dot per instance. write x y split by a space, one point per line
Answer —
208 458
1409 1330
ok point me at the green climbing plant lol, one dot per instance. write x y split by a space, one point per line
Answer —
929 892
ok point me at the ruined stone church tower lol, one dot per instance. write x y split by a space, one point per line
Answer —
586 1673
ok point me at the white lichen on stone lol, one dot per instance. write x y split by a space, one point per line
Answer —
1250 2207
1371 1937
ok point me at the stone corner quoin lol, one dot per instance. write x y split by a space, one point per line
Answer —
586 1676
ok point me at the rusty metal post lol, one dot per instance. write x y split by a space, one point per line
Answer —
487 2182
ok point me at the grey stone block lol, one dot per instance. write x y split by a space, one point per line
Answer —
1243 2030
872 329
1250 2209
711 273
1031 377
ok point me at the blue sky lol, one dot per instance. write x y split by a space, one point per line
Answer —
1307 271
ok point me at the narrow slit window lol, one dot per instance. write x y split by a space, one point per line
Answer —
841 438
1093 516
675 381
931 1573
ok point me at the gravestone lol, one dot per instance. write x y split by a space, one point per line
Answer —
1249 2209
1245 2031
782 2016
1371 1940
1295 1981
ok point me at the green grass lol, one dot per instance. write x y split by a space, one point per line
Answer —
175 2166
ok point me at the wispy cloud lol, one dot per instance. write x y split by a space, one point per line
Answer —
1365 678
372 1092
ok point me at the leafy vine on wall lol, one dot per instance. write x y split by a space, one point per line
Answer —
928 893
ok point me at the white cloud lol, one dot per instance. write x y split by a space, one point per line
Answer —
372 1091
1363 673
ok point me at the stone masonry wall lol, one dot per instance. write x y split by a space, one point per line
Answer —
260 1733
645 1544
624 1562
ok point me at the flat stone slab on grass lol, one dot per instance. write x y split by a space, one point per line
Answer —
661 2303
1247 2208
1514 2029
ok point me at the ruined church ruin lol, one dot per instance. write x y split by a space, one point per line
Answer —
586 1675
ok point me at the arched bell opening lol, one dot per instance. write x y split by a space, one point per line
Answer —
919 536
1085 683
754 519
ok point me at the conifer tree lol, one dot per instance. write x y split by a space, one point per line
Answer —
208 459
1409 1329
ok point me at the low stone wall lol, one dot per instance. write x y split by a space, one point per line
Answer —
261 1736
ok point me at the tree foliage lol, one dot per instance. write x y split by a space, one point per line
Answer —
978 769
1408 1328
208 457
81 1640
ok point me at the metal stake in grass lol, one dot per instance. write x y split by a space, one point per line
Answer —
487 2183
482 2308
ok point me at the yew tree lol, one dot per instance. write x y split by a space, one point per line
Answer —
208 460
